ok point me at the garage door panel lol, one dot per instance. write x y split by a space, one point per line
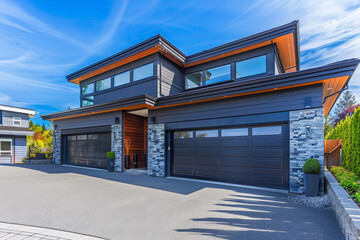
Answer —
260 160
267 163
267 152
88 149
234 152
235 161
267 142
235 142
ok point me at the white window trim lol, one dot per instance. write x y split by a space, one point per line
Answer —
11 146
16 119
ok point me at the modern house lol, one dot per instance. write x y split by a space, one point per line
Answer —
14 127
242 112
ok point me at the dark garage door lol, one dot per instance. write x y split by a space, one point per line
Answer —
255 155
88 149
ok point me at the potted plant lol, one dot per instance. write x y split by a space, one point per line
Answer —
311 171
127 144
110 156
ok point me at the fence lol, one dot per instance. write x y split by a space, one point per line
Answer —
332 153
40 152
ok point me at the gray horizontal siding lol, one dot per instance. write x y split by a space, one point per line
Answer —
171 78
7 119
282 101
88 121
6 159
20 149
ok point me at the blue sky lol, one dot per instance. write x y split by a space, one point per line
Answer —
41 41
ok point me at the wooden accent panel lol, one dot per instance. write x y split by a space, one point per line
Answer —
135 128
241 50
116 64
331 86
332 152
286 46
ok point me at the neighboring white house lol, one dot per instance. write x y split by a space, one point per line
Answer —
14 127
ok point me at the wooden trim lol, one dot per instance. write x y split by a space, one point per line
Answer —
336 84
119 63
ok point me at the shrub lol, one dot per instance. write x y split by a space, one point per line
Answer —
110 155
348 180
312 166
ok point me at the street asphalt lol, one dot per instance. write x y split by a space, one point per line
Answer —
137 206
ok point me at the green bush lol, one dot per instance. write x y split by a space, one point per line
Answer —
348 180
312 166
349 131
110 155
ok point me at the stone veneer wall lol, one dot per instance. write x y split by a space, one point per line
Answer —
57 146
117 145
156 150
303 147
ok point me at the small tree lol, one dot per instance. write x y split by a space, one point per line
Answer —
346 100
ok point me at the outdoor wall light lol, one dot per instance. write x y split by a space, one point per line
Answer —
117 120
308 131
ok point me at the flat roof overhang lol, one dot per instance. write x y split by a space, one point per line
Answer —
286 38
133 103
333 77
15 131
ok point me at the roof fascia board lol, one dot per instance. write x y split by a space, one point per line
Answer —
17 109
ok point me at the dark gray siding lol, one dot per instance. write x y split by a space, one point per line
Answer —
20 149
239 110
147 86
88 121
171 78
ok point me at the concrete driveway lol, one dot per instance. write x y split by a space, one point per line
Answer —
128 206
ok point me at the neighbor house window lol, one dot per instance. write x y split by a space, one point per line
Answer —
144 72
183 134
0 117
121 78
87 89
87 101
5 147
207 133
218 74
16 121
193 80
270 130
103 84
251 66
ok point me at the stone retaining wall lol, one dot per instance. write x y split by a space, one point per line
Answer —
347 212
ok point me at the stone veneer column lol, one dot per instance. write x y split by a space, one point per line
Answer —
156 150
117 145
57 146
303 147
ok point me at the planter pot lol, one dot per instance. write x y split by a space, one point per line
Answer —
127 161
135 161
111 164
311 182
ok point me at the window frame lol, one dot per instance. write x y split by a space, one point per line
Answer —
219 66
93 89
85 98
124 84
110 79
254 75
11 147
17 119
201 80
145 78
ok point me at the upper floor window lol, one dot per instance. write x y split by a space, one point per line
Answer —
143 72
121 78
87 101
87 89
193 80
103 84
252 66
16 121
218 74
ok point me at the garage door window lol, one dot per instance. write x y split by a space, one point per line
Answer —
183 134
207 133
235 132
271 130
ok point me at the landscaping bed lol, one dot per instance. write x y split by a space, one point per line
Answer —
349 181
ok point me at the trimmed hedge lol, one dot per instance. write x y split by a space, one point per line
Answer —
349 131
110 155
312 166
